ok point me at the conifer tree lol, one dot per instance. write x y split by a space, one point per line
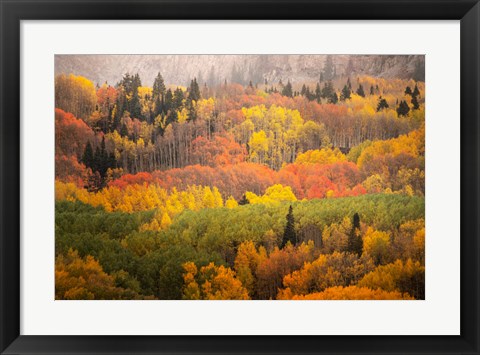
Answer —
416 92
346 93
244 200
159 88
287 90
318 93
304 90
328 90
168 103
123 130
349 84
403 109
178 99
408 91
333 99
382 104
194 91
289 234
415 104
87 157
372 91
355 242
360 91
134 103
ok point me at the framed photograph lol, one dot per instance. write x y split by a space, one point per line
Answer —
239 178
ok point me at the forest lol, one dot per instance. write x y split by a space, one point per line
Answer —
240 188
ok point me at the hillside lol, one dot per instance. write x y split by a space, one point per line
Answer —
180 69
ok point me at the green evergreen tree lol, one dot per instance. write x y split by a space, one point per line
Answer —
346 93
382 104
159 87
318 93
360 91
194 91
87 157
304 90
244 200
178 99
372 91
168 103
416 92
287 90
328 90
415 104
408 91
97 160
355 242
403 109
289 234
333 99
123 130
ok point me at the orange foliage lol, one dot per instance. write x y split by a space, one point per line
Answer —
352 293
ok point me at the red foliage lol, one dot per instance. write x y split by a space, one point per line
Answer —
71 134
217 151
68 169
129 179
106 95
306 181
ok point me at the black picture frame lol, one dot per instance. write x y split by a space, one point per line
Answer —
13 11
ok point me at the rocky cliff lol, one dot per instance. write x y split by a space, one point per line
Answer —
180 69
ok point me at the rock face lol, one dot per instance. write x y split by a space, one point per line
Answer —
180 69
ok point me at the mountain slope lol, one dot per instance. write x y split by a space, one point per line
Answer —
180 69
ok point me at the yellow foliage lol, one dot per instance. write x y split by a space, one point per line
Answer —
412 144
321 156
212 283
274 195
231 202
376 245
144 198
388 277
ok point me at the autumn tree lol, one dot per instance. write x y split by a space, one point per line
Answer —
75 94
212 282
